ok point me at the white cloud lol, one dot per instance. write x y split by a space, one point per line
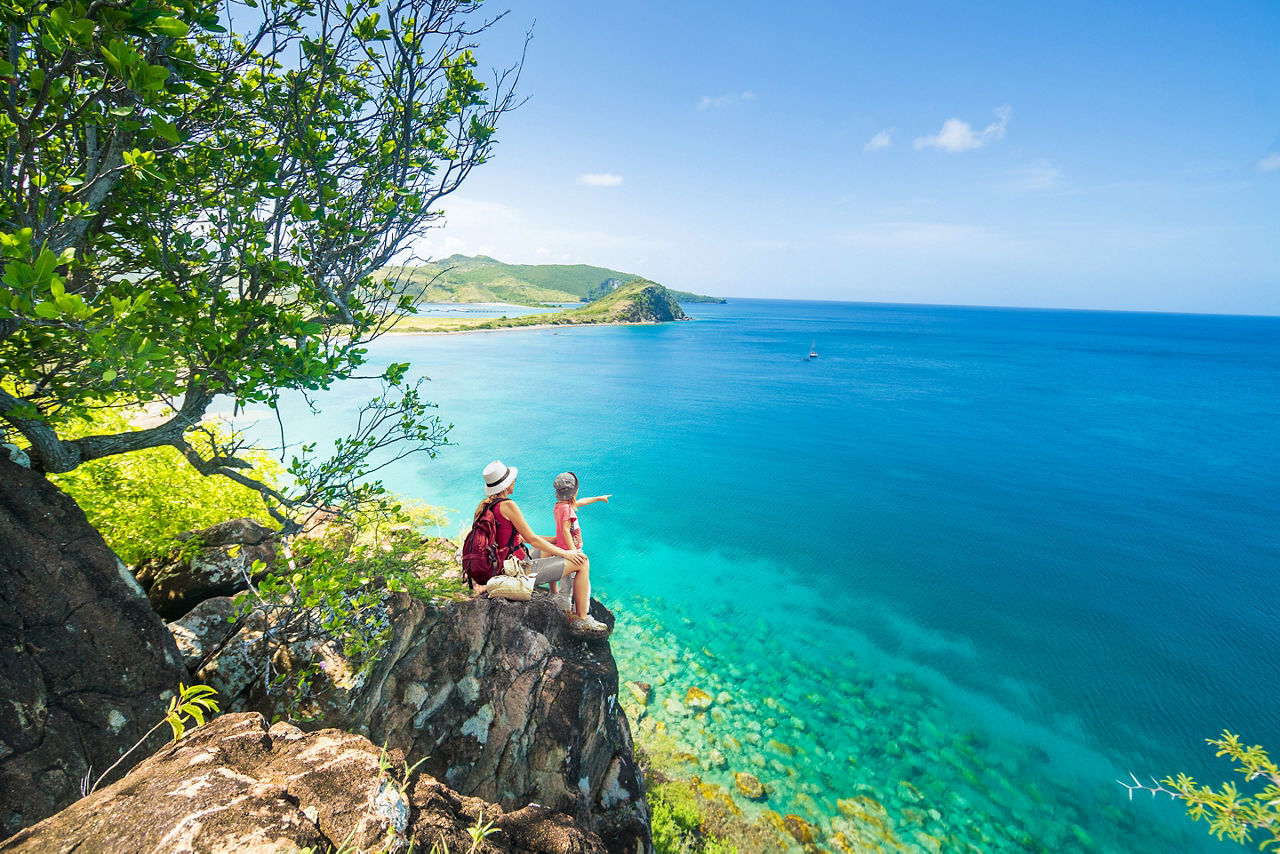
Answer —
600 179
721 101
881 140
957 135
1270 163
1039 176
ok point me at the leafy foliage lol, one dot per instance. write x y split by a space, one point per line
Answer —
195 197
1230 812
191 704
140 502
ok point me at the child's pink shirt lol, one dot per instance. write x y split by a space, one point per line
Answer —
566 511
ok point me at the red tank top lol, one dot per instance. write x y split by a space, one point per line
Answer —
506 533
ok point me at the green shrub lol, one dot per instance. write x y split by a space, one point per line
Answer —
676 820
683 803
668 838
141 501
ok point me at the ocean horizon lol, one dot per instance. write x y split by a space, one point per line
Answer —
971 565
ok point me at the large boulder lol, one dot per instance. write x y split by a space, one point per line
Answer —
216 564
86 666
203 630
500 699
234 786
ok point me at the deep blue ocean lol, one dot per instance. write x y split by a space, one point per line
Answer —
969 565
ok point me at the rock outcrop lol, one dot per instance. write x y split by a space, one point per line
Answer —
234 785
649 303
500 700
204 630
217 567
86 666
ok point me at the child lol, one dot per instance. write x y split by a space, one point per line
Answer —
568 534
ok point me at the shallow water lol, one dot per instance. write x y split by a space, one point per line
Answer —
971 564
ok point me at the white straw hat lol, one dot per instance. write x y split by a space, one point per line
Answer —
498 477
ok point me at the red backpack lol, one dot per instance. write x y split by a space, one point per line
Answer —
482 555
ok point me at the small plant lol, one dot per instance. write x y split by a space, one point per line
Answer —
385 766
1230 813
191 704
480 831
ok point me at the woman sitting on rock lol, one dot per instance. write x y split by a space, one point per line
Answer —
499 484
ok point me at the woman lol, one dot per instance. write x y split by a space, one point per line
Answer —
499 483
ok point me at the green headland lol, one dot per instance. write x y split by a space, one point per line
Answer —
468 279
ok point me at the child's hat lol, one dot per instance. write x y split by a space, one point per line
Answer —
566 484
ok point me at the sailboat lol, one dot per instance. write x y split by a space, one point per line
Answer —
813 350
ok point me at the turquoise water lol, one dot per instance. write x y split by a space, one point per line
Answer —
972 565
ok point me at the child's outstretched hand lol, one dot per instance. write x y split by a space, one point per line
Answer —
605 498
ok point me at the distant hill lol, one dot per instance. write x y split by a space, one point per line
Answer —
464 278
638 301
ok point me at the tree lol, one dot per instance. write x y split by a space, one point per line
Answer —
1230 812
194 197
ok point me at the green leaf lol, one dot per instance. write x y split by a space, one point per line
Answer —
46 263
165 129
171 27
114 55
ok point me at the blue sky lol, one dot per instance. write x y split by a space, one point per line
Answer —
1093 155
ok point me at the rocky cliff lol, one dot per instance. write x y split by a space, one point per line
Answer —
86 666
498 699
